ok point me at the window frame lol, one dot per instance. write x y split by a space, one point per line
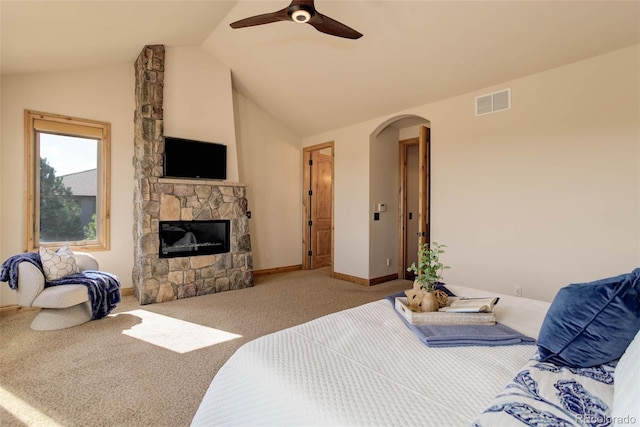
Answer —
52 123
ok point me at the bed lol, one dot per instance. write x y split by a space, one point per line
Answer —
364 366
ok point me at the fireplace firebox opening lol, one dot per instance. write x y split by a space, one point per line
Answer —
194 238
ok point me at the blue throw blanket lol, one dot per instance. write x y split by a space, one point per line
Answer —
9 271
103 288
463 335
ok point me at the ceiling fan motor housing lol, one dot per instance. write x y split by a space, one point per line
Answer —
300 13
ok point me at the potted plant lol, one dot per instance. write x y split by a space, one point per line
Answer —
428 272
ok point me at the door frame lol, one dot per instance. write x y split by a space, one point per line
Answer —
306 183
424 185
424 193
403 145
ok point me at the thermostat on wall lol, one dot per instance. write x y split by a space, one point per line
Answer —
381 207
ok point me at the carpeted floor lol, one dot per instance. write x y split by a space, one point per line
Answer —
145 365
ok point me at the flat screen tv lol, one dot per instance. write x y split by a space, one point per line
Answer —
186 158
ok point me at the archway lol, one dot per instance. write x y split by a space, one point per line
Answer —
393 195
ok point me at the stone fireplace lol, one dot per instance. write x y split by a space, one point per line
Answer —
164 202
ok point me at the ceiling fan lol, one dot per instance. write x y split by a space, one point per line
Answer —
302 12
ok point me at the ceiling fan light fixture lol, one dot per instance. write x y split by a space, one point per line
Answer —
301 16
301 12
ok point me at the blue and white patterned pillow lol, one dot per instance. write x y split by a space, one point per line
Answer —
546 395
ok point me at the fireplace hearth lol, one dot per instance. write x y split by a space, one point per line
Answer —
194 238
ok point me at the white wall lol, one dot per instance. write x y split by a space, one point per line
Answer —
270 160
351 199
383 178
104 94
198 100
547 187
411 132
539 196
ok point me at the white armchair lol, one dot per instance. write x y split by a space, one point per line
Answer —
61 306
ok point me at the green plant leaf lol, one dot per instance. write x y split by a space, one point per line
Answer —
429 268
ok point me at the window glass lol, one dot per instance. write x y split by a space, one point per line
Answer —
68 188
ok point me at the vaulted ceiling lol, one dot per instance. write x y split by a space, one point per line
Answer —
412 52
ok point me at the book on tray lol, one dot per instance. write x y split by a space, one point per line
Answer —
471 305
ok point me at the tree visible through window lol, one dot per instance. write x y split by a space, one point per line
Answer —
59 212
68 167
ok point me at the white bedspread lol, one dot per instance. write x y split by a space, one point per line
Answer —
363 366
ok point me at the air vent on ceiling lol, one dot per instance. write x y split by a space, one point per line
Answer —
493 102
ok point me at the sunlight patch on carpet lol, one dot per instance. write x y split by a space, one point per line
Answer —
175 334
23 411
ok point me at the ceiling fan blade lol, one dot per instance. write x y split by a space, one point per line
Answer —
265 18
330 26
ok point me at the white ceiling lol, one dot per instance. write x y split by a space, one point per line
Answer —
412 52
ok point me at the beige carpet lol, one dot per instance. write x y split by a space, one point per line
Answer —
150 365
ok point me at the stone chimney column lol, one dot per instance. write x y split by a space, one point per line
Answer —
147 162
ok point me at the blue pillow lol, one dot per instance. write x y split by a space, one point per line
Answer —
589 324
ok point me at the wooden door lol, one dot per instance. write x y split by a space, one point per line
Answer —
411 212
321 185
317 234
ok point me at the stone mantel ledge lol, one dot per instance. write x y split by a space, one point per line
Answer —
201 182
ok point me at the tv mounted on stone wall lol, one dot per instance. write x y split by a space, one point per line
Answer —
186 158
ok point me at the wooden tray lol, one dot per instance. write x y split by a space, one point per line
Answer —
442 318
